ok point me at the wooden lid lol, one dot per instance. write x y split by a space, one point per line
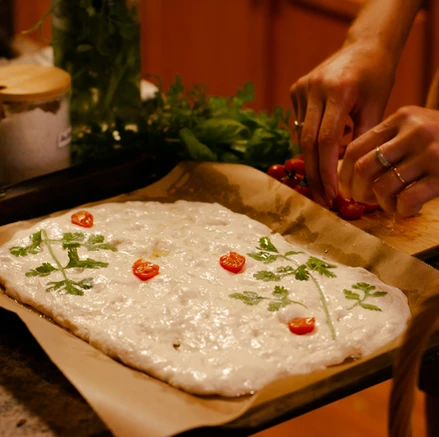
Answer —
32 83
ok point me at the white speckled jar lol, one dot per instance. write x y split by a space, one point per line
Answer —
35 127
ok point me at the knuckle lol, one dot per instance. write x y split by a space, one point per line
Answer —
361 168
351 152
327 138
307 141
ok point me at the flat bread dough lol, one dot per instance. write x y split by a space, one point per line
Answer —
196 325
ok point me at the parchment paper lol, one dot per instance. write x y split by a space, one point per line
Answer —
133 404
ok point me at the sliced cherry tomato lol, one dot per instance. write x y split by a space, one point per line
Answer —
352 211
277 171
302 325
291 181
295 166
340 201
145 270
304 190
369 207
232 262
83 218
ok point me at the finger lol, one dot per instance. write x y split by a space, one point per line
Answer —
395 180
373 138
308 144
369 117
298 93
410 201
369 168
330 135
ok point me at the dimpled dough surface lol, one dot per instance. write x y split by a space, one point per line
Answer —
196 325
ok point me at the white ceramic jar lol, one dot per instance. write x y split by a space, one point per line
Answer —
35 127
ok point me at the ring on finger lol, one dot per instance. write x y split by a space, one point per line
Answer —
382 159
298 124
398 175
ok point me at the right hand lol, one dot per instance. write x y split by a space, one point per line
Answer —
353 83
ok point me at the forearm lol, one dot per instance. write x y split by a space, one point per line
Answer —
384 23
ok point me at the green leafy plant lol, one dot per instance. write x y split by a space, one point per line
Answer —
279 300
69 242
366 289
268 253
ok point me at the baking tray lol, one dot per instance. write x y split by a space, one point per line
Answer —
77 185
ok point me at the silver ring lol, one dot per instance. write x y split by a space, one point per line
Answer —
382 159
298 124
398 175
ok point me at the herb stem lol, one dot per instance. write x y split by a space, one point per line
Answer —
322 298
49 247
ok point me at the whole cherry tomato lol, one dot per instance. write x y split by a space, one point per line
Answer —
277 171
302 325
295 166
304 190
291 181
232 262
352 211
83 218
145 270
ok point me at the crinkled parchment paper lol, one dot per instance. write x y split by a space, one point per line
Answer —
134 404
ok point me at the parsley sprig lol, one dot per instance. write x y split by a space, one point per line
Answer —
279 300
69 242
268 253
366 289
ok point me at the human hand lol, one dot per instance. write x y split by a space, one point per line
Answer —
409 141
353 83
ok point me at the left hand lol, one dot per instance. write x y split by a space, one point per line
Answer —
409 140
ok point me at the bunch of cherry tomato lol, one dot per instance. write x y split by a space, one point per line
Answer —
292 173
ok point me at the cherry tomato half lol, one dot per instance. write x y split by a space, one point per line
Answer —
369 207
302 325
352 211
277 171
295 166
340 201
83 218
145 270
232 262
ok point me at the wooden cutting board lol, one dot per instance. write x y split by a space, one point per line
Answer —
417 235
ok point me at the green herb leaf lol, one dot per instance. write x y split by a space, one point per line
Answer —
96 242
302 273
280 292
266 258
44 270
196 149
266 244
76 262
367 288
277 305
351 295
321 267
379 294
285 269
248 297
265 275
368 306
292 252
33 248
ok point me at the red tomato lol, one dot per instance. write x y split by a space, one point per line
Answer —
295 166
352 211
291 182
369 207
277 171
340 201
145 270
300 156
232 262
304 190
82 218
302 325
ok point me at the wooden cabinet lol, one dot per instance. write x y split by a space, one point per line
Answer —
225 43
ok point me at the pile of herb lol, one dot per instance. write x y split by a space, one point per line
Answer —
188 124
98 43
